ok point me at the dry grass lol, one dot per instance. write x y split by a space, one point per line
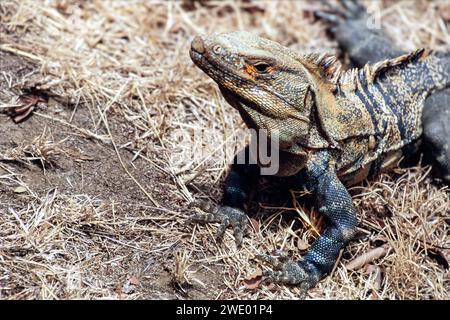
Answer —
125 64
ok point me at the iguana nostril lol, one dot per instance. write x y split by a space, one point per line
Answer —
217 49
197 45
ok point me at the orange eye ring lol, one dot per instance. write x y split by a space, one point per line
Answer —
262 67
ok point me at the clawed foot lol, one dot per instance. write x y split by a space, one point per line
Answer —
338 14
289 272
226 216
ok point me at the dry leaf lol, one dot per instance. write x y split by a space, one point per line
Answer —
20 189
28 103
254 280
135 281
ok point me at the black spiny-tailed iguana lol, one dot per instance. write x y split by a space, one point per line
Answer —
335 127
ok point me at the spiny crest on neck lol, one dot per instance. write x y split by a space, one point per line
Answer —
330 68
348 79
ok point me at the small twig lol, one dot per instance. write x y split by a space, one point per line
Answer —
8 48
81 130
367 257
105 121
336 263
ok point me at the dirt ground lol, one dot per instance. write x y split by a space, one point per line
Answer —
123 132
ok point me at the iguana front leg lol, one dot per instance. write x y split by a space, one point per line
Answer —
335 203
237 187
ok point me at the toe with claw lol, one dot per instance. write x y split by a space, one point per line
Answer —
226 216
288 272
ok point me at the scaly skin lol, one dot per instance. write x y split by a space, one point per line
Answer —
349 25
335 128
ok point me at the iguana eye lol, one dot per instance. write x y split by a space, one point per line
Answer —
262 67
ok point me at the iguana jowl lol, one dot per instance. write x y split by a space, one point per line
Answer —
335 128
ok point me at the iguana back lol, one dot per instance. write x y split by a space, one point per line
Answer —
379 111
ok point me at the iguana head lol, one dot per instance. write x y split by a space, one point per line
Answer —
273 87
